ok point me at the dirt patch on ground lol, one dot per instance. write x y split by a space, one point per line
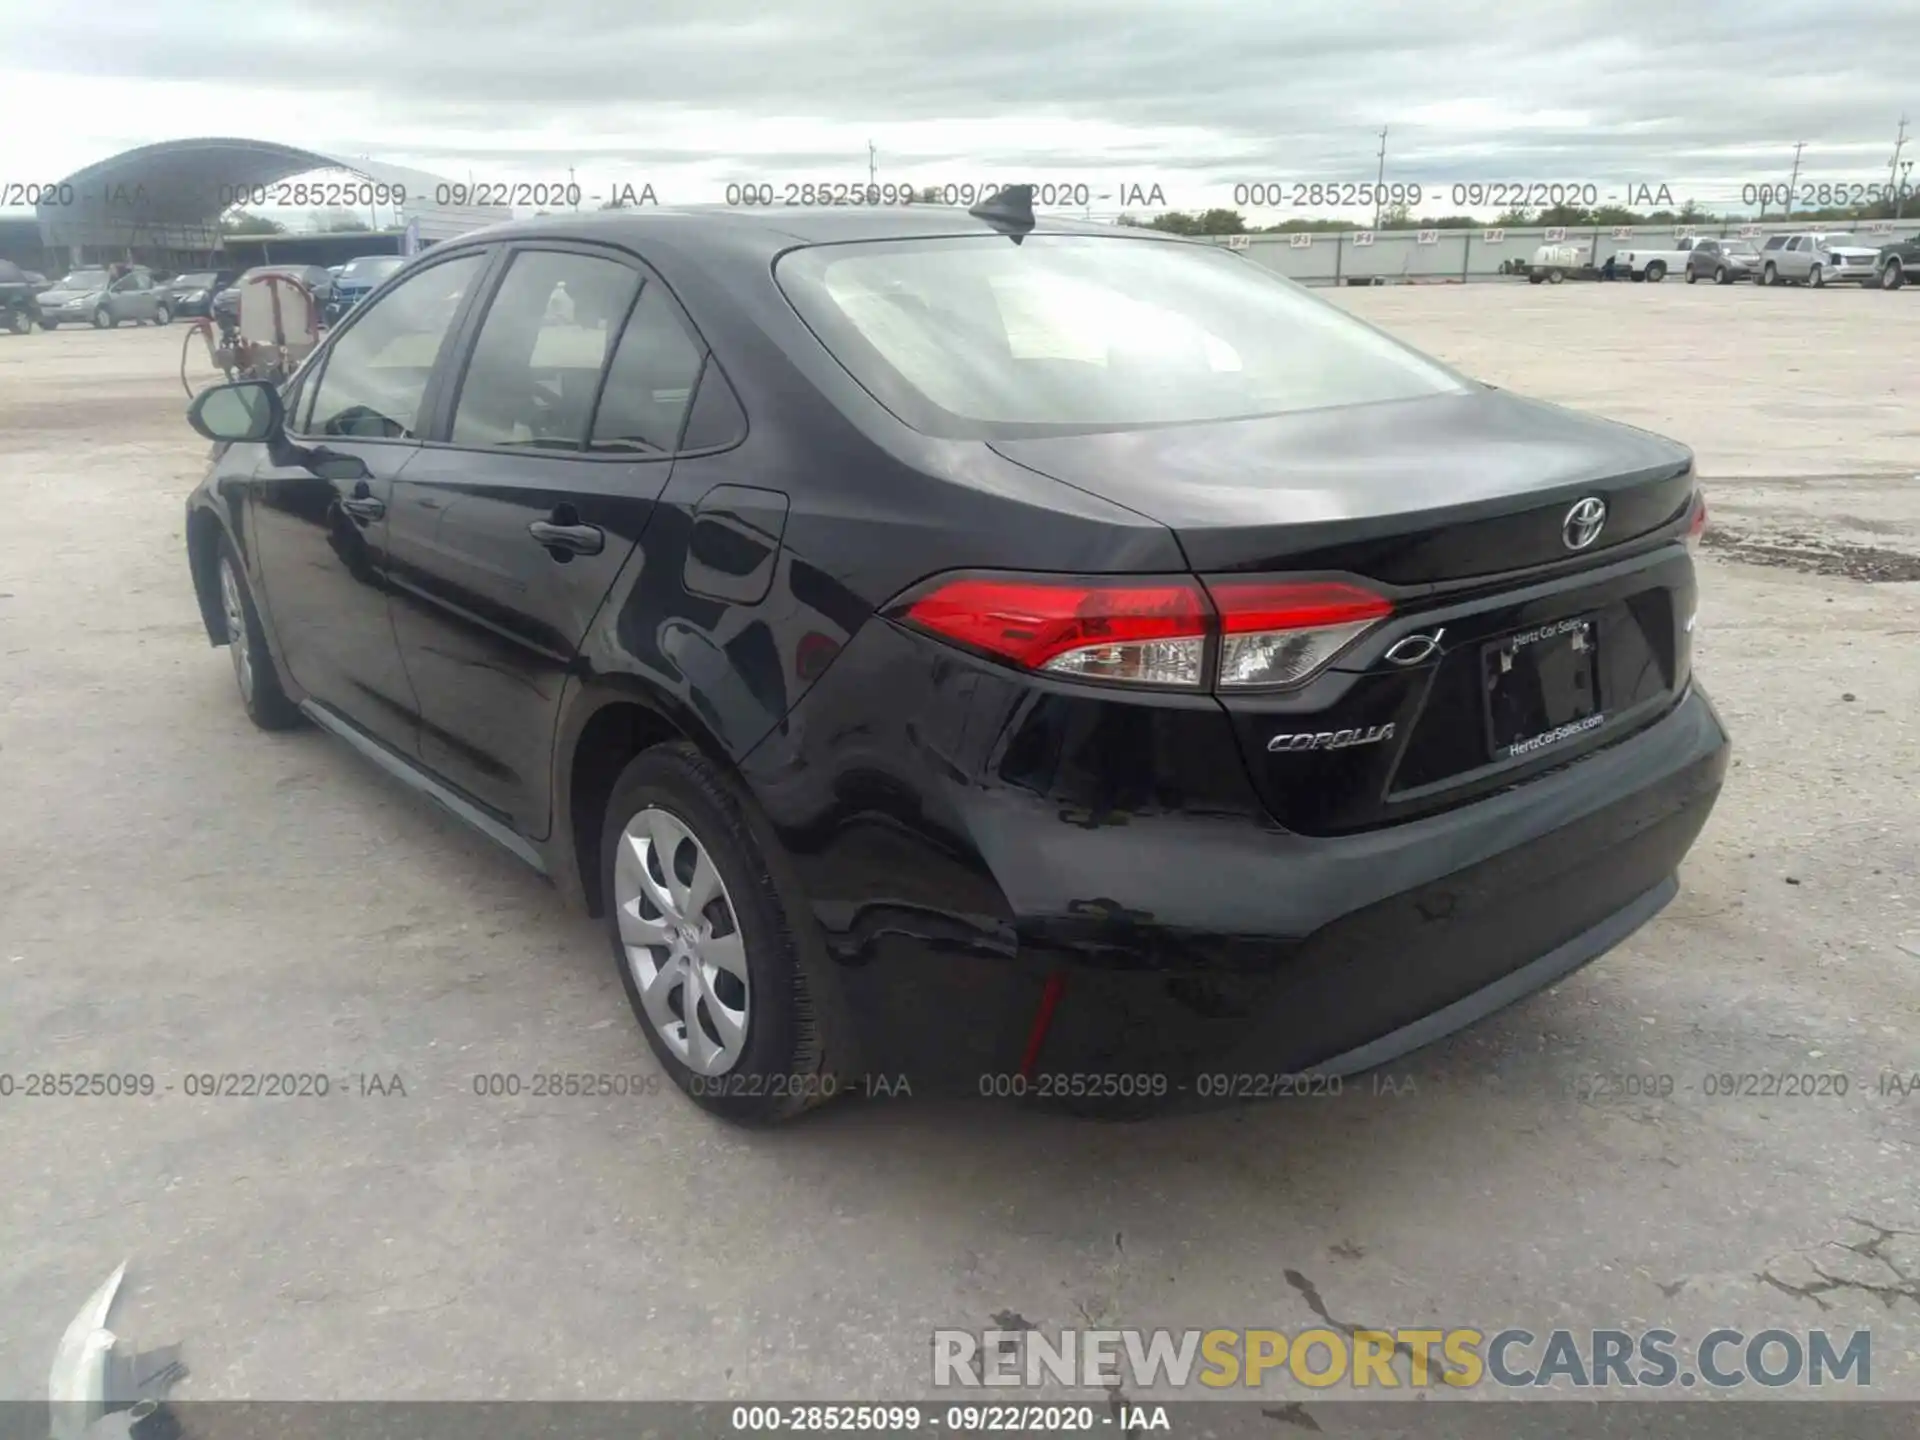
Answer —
1814 554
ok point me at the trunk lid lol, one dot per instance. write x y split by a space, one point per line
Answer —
1459 509
1407 492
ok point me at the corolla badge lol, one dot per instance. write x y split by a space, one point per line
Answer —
1584 523
1332 739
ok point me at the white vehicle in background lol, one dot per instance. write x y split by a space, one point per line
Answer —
1653 265
1554 263
1817 258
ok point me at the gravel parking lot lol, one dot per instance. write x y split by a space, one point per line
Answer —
184 895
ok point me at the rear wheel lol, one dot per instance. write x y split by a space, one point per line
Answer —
1556 275
103 319
19 321
724 973
162 315
1656 272
1692 275
1817 277
259 683
1893 277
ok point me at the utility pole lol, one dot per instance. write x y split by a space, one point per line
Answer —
1380 177
1893 169
573 189
870 164
1794 180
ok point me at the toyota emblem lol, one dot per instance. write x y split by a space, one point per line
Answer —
1584 523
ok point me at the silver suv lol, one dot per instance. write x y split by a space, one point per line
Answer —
1817 257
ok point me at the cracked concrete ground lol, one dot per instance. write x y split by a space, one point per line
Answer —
185 895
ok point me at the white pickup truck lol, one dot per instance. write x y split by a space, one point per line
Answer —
1652 265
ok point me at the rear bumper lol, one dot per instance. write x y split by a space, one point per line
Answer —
1196 944
1388 977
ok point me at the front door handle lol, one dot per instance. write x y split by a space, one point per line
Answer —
574 539
362 506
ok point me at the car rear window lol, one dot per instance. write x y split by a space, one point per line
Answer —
978 337
372 268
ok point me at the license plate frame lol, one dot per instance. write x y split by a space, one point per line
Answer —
1540 688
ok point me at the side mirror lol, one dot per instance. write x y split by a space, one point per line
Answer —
246 410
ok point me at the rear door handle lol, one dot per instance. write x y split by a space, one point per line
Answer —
364 507
577 539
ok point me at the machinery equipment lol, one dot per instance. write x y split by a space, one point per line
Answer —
276 326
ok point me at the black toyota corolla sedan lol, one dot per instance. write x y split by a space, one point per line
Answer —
957 652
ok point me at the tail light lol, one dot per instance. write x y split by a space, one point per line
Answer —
1135 631
1153 631
1697 521
1277 635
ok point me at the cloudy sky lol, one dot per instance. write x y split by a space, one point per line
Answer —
1196 96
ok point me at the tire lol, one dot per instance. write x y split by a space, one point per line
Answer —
1720 275
1769 275
1656 272
1556 275
1893 277
103 319
782 1051
254 674
1692 275
1817 278
49 324
19 322
1535 278
162 315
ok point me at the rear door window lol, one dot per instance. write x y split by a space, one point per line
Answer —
537 364
651 382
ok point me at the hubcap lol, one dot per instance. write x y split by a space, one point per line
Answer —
236 629
682 941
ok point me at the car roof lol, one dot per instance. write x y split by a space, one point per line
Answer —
769 231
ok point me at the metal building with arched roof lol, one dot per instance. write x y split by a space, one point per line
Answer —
170 196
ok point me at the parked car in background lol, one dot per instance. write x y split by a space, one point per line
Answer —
358 279
1816 257
192 292
1642 263
226 303
1722 261
1894 260
19 304
95 295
